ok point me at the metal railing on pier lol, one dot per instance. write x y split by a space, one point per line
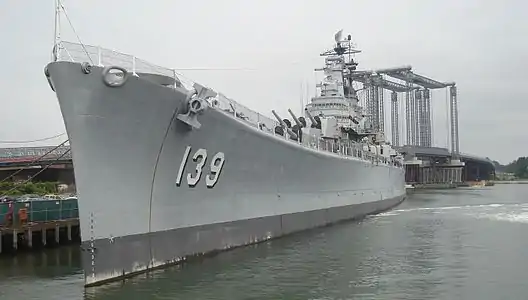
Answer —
13 214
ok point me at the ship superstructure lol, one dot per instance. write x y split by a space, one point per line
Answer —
335 113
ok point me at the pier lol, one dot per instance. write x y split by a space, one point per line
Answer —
37 224
436 167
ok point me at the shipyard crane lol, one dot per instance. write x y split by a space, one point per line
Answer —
418 123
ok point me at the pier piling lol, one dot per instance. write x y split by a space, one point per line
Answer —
39 223
25 237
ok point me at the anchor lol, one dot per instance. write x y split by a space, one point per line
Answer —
195 104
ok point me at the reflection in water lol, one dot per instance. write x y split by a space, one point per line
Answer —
46 264
40 275
246 273
452 244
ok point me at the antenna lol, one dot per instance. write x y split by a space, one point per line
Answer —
307 88
56 32
301 96
58 43
337 36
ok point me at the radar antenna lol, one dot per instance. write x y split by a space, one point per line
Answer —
337 36
342 47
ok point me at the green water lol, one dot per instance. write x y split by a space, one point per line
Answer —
450 244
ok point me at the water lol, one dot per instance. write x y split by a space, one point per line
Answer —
452 244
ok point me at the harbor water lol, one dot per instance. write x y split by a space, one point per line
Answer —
468 243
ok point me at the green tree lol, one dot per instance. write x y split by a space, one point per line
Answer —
39 188
518 167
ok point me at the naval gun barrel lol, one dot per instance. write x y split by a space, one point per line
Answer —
295 118
309 116
299 124
283 125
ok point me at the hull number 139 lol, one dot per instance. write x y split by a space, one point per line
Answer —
200 158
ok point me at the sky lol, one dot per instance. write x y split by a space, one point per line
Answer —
480 45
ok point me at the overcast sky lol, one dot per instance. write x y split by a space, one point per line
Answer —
481 45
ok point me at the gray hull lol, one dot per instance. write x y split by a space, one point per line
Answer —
127 150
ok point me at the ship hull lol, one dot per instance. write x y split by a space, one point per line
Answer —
152 191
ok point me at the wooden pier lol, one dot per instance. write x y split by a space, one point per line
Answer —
36 235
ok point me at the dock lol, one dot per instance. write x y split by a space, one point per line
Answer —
438 168
38 224
37 235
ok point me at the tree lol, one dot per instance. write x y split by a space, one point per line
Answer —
518 167
16 189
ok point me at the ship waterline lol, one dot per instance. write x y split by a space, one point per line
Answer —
153 190
135 254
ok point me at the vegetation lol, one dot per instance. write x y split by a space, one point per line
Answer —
518 167
17 189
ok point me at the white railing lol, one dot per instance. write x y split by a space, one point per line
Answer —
103 57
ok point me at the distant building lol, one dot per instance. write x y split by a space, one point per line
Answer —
505 176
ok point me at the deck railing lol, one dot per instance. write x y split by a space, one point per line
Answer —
75 52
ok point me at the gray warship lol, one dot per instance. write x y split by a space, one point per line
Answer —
167 169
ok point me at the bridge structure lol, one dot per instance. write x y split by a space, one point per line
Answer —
47 162
20 156
438 166
411 130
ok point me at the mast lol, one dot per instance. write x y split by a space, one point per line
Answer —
343 51
56 32
301 98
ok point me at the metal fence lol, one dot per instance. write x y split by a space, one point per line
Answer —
39 211
103 57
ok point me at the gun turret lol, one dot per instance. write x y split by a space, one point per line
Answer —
283 125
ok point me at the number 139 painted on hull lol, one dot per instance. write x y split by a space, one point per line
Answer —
200 158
